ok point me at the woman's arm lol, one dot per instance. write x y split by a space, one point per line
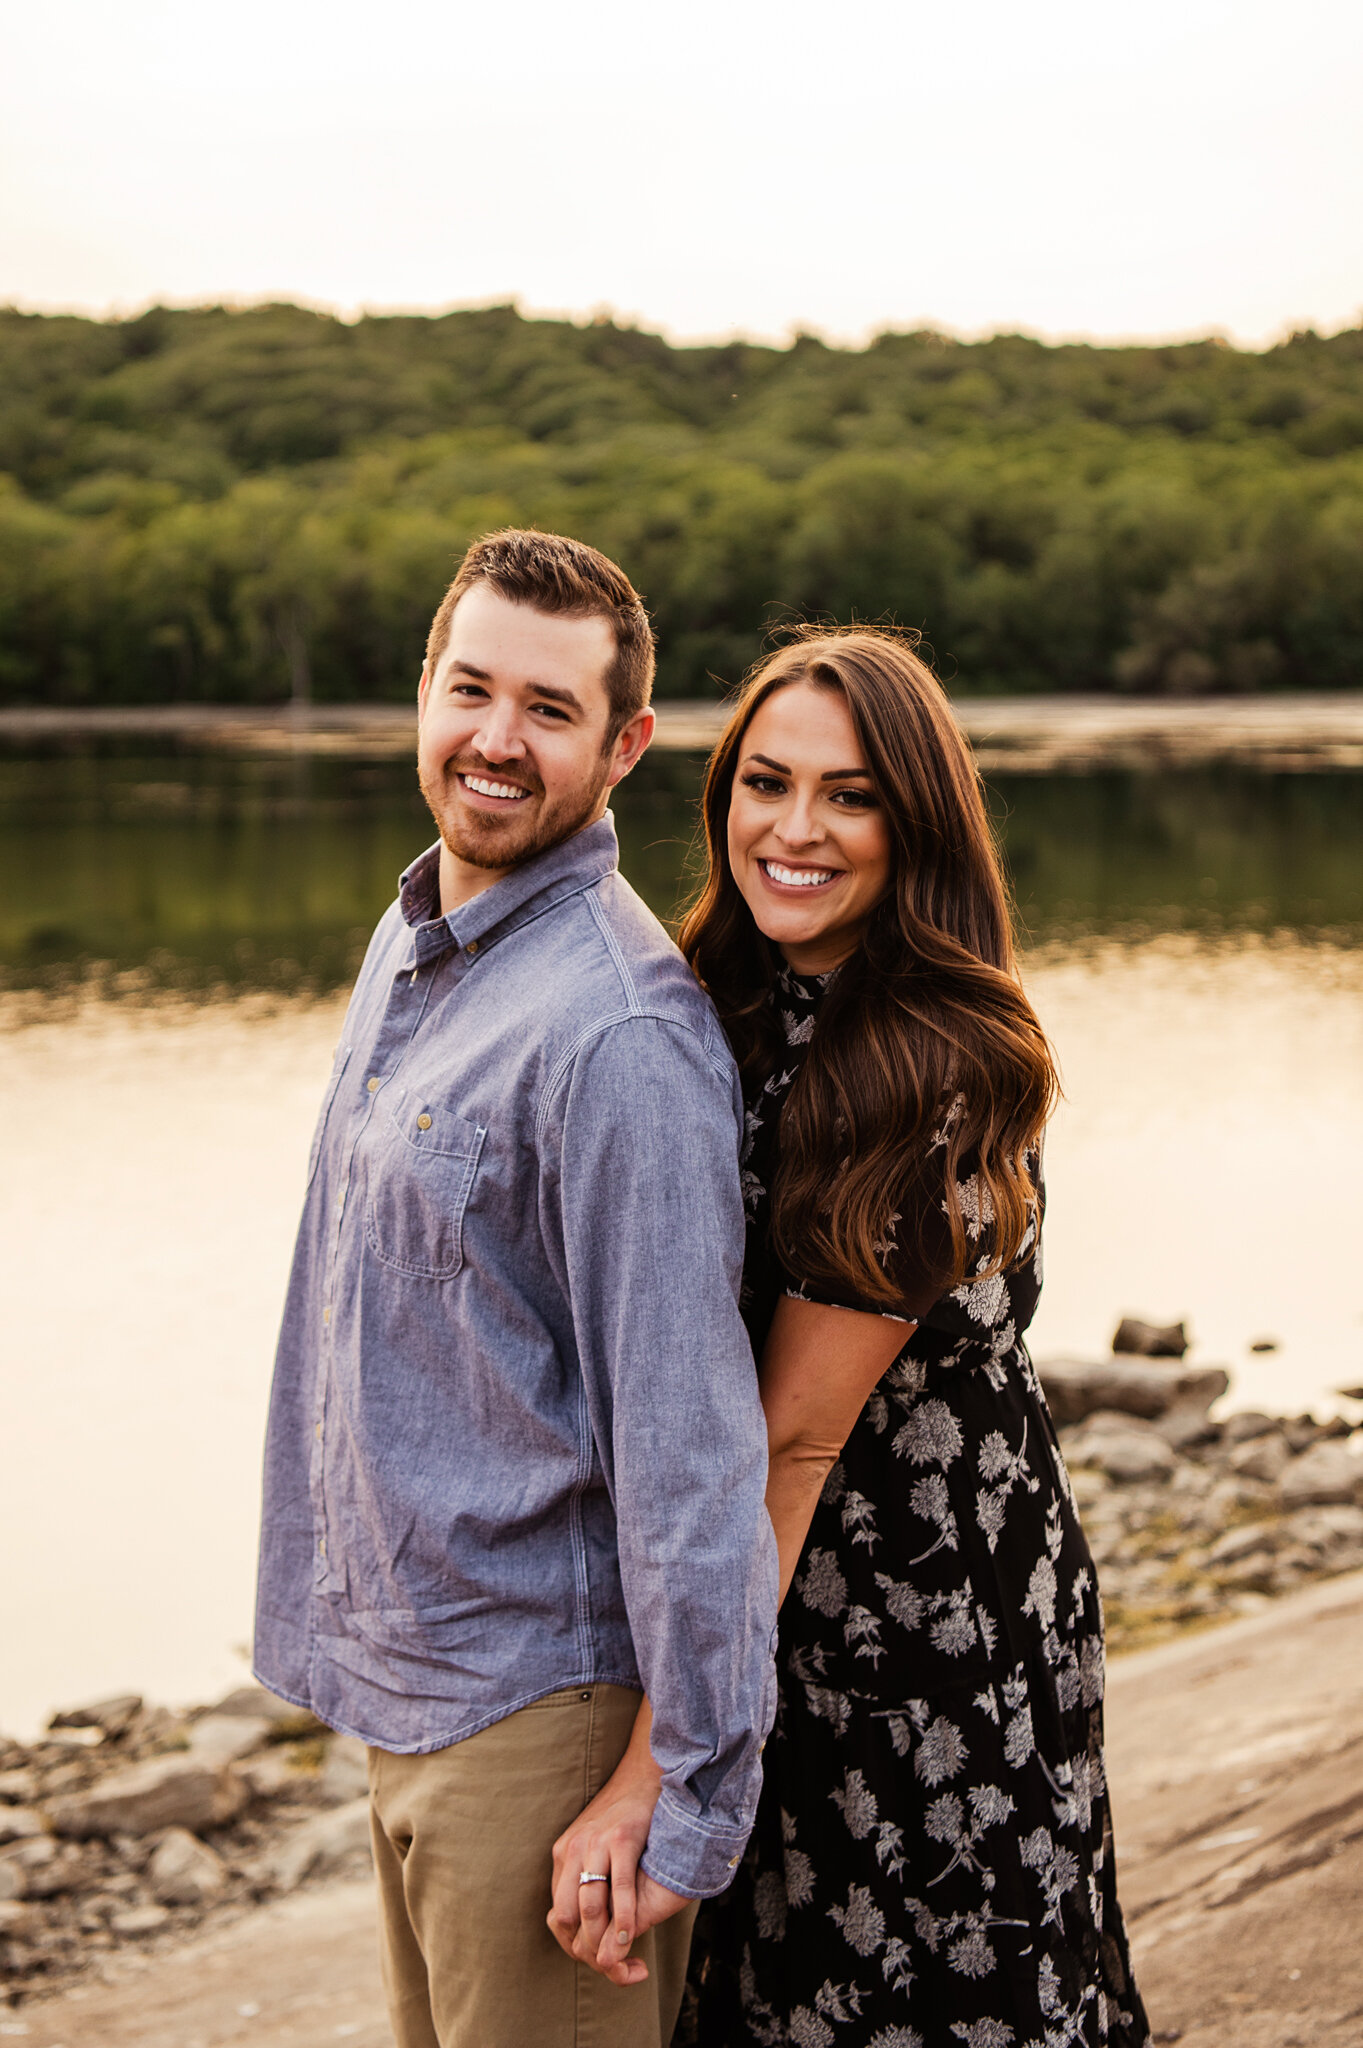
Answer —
819 1368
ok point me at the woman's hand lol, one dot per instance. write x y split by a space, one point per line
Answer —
597 1923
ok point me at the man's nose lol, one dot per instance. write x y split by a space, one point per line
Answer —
499 736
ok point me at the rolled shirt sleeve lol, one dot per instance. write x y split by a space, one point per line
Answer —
649 1207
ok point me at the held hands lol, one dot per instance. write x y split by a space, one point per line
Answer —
597 1922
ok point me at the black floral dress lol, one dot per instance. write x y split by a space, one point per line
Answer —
932 1862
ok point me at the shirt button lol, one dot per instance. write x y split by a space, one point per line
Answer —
326 1315
472 946
372 1083
317 1431
733 1863
322 1551
423 1122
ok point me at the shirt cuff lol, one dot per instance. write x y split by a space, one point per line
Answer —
690 1856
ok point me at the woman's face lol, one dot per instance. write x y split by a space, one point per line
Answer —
809 844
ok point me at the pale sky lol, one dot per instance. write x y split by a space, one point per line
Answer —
1169 168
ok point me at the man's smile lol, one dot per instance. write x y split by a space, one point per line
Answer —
495 792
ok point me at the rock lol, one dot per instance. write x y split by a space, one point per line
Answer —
184 1871
254 1701
18 1823
278 1770
166 1792
13 1879
319 1844
1265 1344
1256 1570
1076 1388
1301 1432
21 1786
1188 1425
14 1916
1352 1393
1250 1422
1327 1475
345 1774
112 1717
138 1920
1263 1457
222 1738
1242 1542
1150 1340
1327 1529
1127 1450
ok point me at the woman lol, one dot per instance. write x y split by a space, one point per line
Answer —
932 1860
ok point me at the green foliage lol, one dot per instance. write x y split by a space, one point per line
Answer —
248 504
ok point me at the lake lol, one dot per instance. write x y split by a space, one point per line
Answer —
177 926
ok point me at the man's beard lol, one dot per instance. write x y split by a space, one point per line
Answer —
505 839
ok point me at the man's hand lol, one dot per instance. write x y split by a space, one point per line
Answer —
597 1923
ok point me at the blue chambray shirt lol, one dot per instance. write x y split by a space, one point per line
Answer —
515 1442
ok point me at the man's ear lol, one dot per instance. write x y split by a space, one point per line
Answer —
423 690
630 743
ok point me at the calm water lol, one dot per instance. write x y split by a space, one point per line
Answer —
175 932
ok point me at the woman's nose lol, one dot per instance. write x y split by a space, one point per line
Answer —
798 825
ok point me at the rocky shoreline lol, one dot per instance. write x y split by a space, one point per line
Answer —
127 1825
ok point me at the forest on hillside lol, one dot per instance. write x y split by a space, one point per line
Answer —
251 504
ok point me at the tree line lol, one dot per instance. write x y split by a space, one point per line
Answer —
251 504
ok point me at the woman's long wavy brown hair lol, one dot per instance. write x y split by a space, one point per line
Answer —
925 1041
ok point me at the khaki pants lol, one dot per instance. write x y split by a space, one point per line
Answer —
462 1845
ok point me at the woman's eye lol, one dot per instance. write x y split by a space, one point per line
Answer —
765 785
854 799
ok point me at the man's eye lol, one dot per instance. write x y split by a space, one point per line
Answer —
552 711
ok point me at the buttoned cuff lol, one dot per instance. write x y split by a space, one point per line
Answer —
693 1857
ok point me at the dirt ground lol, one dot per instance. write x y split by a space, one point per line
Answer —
1236 1760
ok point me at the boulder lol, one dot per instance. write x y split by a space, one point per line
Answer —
167 1791
222 1738
1250 1422
254 1702
1329 1530
1150 1340
1187 1425
18 1823
111 1717
319 1844
1327 1475
184 1871
138 1920
1126 1449
345 1774
1076 1388
278 1770
1261 1457
1237 1544
19 1785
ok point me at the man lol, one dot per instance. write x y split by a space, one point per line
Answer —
516 1458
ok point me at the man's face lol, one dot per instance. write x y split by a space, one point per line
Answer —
511 752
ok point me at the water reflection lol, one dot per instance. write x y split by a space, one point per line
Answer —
190 868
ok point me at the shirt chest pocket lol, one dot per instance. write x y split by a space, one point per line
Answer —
421 1170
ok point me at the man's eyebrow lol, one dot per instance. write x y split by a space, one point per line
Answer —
466 668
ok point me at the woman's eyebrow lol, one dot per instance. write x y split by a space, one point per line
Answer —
841 774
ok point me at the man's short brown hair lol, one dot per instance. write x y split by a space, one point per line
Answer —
554 574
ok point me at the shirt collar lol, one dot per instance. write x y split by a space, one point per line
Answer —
574 864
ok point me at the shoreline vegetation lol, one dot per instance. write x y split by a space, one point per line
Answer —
126 1826
1041 734
264 504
